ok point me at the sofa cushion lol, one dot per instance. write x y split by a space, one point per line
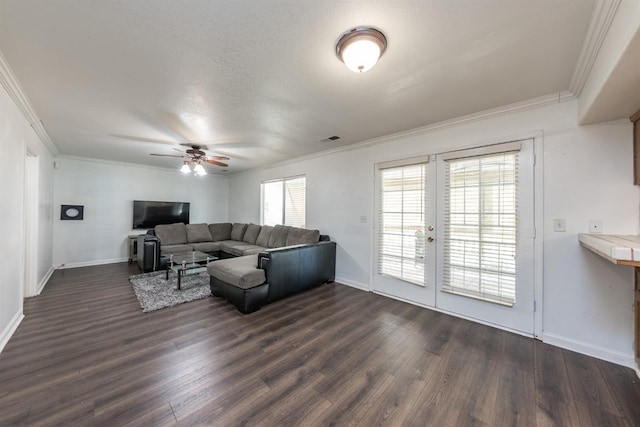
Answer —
238 250
251 234
263 237
172 234
278 236
237 231
175 249
206 246
252 250
198 233
241 272
300 236
233 247
220 231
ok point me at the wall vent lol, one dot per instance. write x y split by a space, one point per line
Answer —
331 138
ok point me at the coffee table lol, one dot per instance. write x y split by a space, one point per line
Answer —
188 263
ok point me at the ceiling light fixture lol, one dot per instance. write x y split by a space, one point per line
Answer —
199 170
185 168
360 48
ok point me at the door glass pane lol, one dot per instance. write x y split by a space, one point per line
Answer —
402 217
480 227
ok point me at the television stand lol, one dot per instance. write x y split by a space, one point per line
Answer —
132 245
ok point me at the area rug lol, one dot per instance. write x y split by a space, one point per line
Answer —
154 292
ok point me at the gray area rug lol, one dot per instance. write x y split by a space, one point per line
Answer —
154 292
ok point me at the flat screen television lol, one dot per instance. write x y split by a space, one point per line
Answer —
148 214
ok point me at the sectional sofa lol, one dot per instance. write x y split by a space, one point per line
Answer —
259 264
226 240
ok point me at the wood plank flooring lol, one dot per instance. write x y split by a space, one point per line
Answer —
86 355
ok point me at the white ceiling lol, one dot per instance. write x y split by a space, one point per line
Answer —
259 80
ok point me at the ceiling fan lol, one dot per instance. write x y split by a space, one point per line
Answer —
195 156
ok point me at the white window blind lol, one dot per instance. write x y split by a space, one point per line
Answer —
401 219
295 197
480 227
284 202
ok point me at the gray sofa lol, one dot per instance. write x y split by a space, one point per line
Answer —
226 240
252 281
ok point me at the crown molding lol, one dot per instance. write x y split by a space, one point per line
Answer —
516 107
603 13
11 85
135 165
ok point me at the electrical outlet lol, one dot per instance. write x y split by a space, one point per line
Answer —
595 226
363 219
559 225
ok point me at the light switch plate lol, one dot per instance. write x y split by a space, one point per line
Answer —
559 225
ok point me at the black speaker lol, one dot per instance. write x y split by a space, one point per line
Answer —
72 212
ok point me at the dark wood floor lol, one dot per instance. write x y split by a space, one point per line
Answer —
86 355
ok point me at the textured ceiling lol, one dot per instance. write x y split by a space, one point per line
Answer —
259 80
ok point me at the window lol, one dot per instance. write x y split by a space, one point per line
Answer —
283 202
480 227
401 245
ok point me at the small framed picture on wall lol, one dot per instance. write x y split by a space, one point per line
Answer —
72 212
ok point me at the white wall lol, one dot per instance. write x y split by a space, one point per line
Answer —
107 191
625 24
15 136
45 215
587 302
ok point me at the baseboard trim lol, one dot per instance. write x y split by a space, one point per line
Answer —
356 285
44 281
618 358
10 329
91 263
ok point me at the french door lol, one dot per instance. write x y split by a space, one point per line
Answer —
466 245
405 230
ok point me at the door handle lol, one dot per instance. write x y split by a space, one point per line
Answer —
429 239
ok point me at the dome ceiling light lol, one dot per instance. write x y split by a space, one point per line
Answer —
360 48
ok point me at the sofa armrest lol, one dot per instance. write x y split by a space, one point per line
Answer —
148 256
292 269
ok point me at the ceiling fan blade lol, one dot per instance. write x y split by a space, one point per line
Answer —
167 155
218 157
217 163
228 154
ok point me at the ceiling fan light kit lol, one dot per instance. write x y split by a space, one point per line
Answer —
195 157
360 48
185 168
198 169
